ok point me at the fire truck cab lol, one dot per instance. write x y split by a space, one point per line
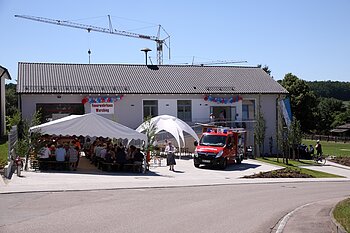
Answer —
220 146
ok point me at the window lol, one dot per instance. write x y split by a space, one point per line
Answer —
150 108
184 110
248 109
245 112
54 111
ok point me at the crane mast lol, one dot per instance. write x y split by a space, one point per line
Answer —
110 30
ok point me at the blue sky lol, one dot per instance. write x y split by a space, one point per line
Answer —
309 38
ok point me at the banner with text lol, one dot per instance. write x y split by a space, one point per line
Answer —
102 108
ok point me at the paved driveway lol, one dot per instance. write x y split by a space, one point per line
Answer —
159 176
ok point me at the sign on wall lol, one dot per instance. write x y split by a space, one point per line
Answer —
102 108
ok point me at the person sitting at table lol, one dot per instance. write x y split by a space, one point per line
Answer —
60 153
110 154
52 152
97 152
130 154
120 155
138 156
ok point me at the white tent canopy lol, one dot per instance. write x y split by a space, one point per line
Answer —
171 124
89 124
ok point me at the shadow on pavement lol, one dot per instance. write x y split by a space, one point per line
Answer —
233 167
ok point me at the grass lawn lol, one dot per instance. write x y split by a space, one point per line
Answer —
294 166
332 148
3 152
342 212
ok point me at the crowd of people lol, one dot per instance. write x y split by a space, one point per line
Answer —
101 149
55 150
69 150
104 150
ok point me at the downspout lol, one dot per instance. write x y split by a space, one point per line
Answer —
277 124
2 126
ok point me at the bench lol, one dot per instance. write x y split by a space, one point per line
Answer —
54 165
133 167
105 166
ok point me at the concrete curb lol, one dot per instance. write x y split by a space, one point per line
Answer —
282 224
338 165
260 182
337 226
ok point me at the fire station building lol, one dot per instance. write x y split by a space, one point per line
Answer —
127 93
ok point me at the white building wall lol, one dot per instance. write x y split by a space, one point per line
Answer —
28 102
129 110
200 109
268 108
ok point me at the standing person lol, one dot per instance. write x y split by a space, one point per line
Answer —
318 148
87 148
212 117
222 118
60 153
44 155
170 152
77 144
73 154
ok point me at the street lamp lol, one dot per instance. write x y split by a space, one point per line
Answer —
146 50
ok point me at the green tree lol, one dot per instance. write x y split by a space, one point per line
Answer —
341 118
11 99
265 68
331 89
28 141
303 101
327 111
12 120
150 129
295 136
259 131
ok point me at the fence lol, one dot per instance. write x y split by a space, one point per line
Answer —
12 141
327 138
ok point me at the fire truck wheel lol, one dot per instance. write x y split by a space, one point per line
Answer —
223 163
238 160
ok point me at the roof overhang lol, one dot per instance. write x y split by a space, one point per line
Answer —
4 73
339 130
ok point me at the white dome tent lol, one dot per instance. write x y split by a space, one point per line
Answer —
90 125
172 125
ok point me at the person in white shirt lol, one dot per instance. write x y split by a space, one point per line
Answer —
44 152
170 152
44 155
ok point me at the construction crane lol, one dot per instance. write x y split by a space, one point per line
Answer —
218 62
110 30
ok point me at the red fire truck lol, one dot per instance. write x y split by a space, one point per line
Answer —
220 146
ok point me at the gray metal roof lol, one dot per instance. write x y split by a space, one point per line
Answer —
4 73
124 79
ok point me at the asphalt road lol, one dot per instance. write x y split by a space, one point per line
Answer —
222 208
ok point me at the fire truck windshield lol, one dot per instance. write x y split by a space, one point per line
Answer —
212 140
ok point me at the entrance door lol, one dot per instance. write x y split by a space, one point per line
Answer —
224 113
